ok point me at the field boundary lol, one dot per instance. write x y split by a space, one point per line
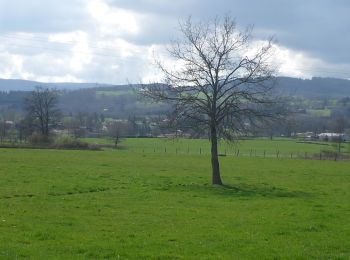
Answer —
322 155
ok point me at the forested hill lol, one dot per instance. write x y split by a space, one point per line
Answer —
309 88
315 87
28 85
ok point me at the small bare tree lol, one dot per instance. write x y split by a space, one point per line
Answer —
117 130
42 109
339 127
3 130
222 82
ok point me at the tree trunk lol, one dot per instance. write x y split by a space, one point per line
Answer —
42 126
216 178
47 121
116 142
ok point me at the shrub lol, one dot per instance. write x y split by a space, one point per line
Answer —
67 142
39 139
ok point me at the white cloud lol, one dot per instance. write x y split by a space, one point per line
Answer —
12 66
293 63
98 41
81 53
299 64
114 21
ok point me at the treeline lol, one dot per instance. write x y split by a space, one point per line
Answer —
120 102
120 111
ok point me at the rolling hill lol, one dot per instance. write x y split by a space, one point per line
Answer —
309 88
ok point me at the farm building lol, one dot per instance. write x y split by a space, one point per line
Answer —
332 137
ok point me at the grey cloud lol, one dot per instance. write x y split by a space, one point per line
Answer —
156 6
318 27
129 69
158 29
43 16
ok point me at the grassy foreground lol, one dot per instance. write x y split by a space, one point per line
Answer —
118 204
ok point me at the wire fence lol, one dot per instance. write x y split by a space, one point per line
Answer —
232 151
322 155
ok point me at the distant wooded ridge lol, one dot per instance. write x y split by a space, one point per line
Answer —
315 87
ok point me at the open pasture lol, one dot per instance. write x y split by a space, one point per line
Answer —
281 147
121 204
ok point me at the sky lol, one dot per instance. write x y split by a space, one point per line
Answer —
116 41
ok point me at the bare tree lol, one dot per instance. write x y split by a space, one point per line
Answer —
3 130
117 130
339 127
24 129
42 109
222 81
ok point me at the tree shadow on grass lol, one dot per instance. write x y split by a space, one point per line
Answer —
243 190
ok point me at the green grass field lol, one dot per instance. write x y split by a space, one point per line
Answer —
57 204
113 93
320 112
254 147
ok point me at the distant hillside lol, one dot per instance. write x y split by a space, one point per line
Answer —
27 85
122 101
315 87
309 88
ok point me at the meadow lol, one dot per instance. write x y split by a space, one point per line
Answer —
258 147
134 204
118 93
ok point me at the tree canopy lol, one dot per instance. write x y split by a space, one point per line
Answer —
221 80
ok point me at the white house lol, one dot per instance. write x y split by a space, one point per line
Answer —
332 137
